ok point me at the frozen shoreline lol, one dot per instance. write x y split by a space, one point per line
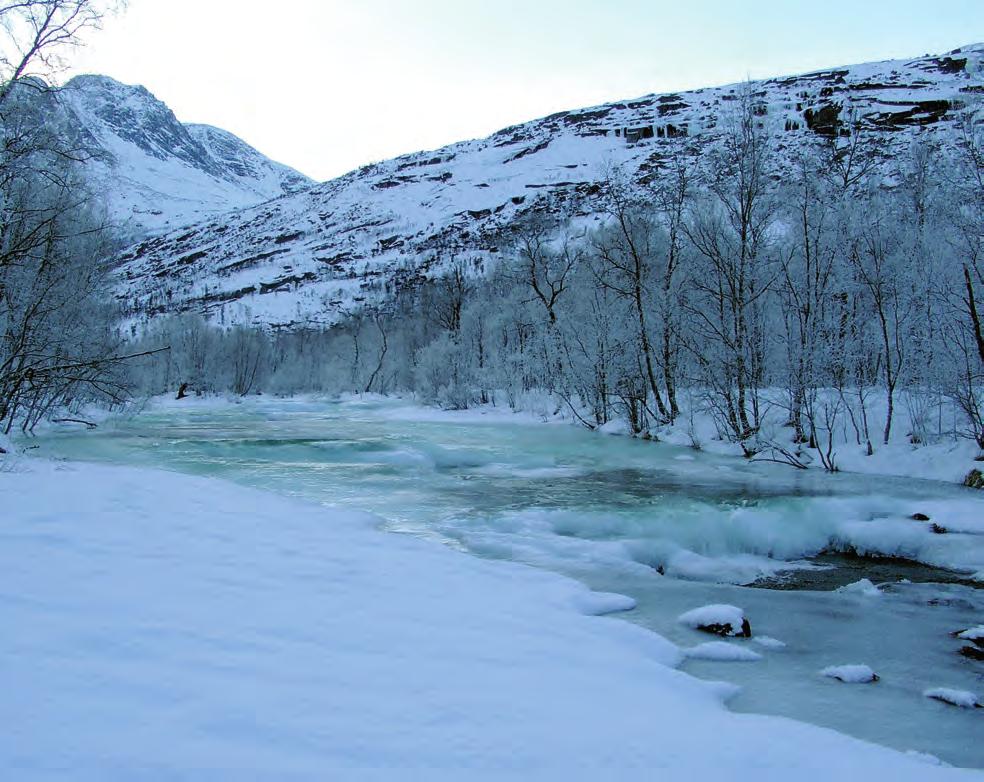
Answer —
161 625
880 526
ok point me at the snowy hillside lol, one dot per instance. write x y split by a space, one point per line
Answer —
157 172
310 256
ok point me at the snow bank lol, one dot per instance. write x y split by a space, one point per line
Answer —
972 634
601 603
160 626
768 643
850 674
925 757
864 587
962 698
721 651
720 619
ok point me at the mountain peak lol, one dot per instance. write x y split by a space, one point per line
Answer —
158 172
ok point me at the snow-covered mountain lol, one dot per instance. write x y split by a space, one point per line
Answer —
158 173
308 257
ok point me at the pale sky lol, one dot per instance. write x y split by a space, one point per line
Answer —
328 85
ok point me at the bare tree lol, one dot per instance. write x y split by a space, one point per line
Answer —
807 275
37 35
730 232
876 261
672 194
453 288
627 250
56 342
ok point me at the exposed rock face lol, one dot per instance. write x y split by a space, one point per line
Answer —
307 258
825 119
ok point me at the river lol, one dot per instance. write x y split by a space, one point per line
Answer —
673 528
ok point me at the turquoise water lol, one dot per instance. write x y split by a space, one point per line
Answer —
615 513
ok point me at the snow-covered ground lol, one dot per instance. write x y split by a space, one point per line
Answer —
160 626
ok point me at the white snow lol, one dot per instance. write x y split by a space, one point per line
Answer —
717 614
864 588
850 674
962 698
601 603
925 757
972 633
767 642
722 651
159 626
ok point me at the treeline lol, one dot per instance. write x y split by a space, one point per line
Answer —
834 286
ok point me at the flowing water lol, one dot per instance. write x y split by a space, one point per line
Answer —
672 528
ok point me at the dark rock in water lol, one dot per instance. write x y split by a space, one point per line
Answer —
974 479
851 674
953 602
937 529
973 653
843 568
962 635
919 517
725 629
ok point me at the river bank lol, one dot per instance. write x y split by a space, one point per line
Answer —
162 625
